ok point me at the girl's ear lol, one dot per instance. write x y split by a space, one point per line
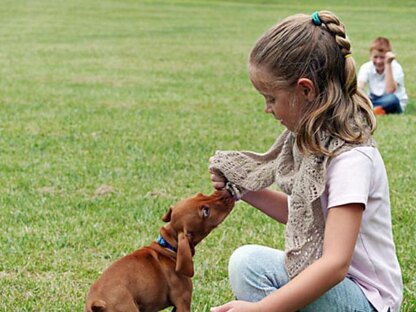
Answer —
307 89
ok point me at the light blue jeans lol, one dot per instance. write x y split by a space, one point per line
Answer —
257 271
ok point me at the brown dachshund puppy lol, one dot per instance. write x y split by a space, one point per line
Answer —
158 276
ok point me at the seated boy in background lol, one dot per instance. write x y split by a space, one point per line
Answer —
385 79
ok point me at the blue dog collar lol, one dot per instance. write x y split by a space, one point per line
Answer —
162 242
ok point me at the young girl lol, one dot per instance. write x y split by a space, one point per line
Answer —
339 250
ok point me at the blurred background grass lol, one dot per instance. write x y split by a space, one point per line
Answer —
109 113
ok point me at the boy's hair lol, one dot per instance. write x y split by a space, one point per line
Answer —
297 48
380 44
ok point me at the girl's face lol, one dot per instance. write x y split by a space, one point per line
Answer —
284 104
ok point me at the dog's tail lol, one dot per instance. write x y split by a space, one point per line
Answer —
97 306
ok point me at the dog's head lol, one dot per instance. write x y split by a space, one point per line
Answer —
194 218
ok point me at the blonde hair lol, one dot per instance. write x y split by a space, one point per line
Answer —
380 44
297 48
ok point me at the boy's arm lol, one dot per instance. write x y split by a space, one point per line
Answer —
391 84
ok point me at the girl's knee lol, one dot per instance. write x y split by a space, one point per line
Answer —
252 257
255 260
241 259
255 271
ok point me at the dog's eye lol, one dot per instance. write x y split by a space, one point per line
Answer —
205 211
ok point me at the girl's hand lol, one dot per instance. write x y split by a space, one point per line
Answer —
237 306
218 181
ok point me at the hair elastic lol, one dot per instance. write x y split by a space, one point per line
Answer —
315 18
347 55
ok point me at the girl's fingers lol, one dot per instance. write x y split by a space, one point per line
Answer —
216 178
218 185
224 308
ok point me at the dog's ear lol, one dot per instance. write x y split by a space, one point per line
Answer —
184 263
166 217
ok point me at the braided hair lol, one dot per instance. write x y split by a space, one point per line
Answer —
317 48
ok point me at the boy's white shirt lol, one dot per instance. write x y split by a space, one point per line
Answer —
359 176
376 82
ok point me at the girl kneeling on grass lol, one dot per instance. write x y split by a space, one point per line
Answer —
339 250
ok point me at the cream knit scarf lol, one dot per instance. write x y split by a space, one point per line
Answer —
302 177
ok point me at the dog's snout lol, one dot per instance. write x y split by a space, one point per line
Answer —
227 195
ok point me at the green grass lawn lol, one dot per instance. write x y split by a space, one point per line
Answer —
109 112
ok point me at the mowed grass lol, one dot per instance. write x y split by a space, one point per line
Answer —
110 111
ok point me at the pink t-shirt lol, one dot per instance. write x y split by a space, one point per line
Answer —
359 176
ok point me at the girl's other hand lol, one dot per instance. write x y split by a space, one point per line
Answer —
218 180
237 306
